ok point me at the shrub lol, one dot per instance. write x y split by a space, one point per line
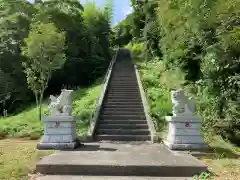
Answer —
137 50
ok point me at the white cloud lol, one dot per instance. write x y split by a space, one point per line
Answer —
127 10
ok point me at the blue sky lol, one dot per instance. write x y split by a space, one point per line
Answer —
121 8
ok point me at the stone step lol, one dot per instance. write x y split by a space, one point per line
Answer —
125 83
128 82
119 96
125 94
123 100
123 71
123 126
118 131
111 109
129 67
123 103
136 95
119 81
121 93
123 113
129 97
123 87
126 72
108 100
122 122
123 78
122 117
115 137
121 159
123 90
69 177
122 106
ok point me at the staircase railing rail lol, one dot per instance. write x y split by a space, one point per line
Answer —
99 101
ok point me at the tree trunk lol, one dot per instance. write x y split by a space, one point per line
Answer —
38 106
39 112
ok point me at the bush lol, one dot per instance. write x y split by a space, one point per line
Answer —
202 38
137 50
158 94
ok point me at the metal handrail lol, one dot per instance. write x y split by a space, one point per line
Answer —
103 89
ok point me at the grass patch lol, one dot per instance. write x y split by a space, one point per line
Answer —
84 104
27 125
157 93
23 125
224 163
18 158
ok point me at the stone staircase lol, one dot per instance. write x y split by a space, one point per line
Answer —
122 117
120 120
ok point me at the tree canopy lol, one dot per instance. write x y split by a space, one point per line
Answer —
87 46
201 38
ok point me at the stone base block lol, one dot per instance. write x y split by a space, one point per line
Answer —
58 146
172 146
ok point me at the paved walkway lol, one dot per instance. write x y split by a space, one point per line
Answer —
109 178
121 159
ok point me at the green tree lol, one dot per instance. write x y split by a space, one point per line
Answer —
44 49
14 25
86 38
203 39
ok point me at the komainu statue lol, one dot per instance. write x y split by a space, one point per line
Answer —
62 105
182 106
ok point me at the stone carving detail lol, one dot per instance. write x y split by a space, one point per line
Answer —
62 105
181 104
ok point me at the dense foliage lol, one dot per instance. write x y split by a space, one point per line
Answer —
87 46
194 44
201 38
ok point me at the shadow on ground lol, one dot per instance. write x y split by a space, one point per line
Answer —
92 147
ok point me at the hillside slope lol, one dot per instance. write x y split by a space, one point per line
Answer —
224 162
26 124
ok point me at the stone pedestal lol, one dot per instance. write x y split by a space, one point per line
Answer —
184 133
59 133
